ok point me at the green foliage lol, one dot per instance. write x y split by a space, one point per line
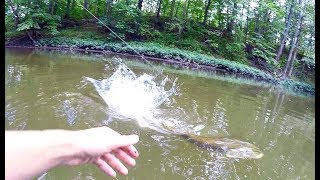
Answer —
13 35
310 62
39 20
282 62
9 23
145 30
264 51
123 20
174 25
298 86
235 50
81 33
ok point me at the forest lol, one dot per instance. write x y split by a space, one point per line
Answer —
276 37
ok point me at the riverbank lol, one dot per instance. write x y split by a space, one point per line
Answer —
155 51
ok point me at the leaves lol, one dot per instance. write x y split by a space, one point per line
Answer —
37 19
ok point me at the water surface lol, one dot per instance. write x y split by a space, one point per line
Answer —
49 90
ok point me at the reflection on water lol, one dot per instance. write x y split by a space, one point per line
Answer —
46 90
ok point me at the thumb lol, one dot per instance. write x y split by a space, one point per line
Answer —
125 140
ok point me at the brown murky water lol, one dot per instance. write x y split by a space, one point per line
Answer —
46 90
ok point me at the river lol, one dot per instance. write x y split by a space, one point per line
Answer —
50 89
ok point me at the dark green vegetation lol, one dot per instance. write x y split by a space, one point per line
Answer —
275 38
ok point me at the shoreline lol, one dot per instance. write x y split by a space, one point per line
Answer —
295 86
185 64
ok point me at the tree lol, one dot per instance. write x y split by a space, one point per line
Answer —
248 31
86 4
139 6
294 43
286 31
36 17
159 9
206 11
233 18
108 10
15 11
66 16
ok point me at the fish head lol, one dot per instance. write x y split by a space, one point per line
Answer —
239 149
245 152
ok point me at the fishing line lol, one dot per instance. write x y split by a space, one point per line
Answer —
141 55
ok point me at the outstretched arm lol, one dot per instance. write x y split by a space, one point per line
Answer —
31 153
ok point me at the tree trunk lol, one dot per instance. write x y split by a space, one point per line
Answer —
227 17
67 15
206 11
139 6
30 37
293 48
286 31
15 12
86 4
296 49
292 65
172 8
289 57
159 9
52 6
55 6
108 9
247 20
241 22
233 19
310 41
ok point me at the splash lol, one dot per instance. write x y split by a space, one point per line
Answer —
136 97
129 96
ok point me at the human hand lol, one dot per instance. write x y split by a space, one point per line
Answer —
105 148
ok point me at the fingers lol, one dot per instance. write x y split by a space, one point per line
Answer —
120 145
115 163
131 150
123 156
105 167
109 162
124 140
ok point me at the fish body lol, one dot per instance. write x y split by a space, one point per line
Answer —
231 147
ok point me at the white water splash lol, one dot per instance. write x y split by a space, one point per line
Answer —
136 97
129 96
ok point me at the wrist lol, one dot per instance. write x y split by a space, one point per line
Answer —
62 148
